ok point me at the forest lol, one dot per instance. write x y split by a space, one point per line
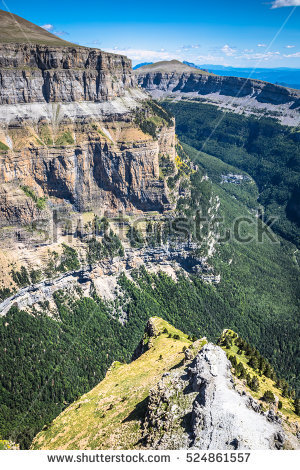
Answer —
267 150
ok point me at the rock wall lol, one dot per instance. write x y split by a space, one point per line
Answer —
95 174
208 84
68 131
238 95
33 73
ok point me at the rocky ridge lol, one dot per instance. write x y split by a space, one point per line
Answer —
239 95
175 394
214 415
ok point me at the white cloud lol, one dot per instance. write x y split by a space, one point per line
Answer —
261 45
248 50
190 46
145 55
296 54
229 51
48 27
259 56
210 59
285 3
289 47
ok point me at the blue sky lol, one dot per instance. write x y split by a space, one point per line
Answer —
248 33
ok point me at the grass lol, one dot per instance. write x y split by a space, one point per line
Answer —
115 407
15 29
65 139
3 147
39 201
265 384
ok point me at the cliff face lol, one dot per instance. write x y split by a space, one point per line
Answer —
36 73
69 132
236 94
204 84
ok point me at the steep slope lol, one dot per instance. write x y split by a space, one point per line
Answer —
265 149
109 416
175 394
15 29
74 128
240 95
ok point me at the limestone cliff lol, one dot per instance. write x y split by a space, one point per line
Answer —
37 73
73 129
170 79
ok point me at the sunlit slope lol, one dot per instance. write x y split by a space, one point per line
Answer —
109 416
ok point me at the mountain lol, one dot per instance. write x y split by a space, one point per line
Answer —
169 66
83 124
176 395
239 95
15 29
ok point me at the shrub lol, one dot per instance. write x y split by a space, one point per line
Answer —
269 397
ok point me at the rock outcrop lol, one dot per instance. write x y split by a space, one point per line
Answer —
175 394
201 409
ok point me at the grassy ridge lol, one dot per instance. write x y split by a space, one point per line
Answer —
113 409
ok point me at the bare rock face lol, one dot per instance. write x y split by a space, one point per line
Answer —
221 418
203 84
238 95
68 131
36 73
198 407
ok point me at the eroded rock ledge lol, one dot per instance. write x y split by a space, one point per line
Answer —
199 408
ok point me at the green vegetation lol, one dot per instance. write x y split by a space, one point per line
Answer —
115 407
156 118
39 201
21 278
66 261
258 375
69 259
109 247
268 151
269 396
5 292
65 139
3 147
135 237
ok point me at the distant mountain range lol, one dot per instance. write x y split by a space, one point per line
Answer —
284 76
